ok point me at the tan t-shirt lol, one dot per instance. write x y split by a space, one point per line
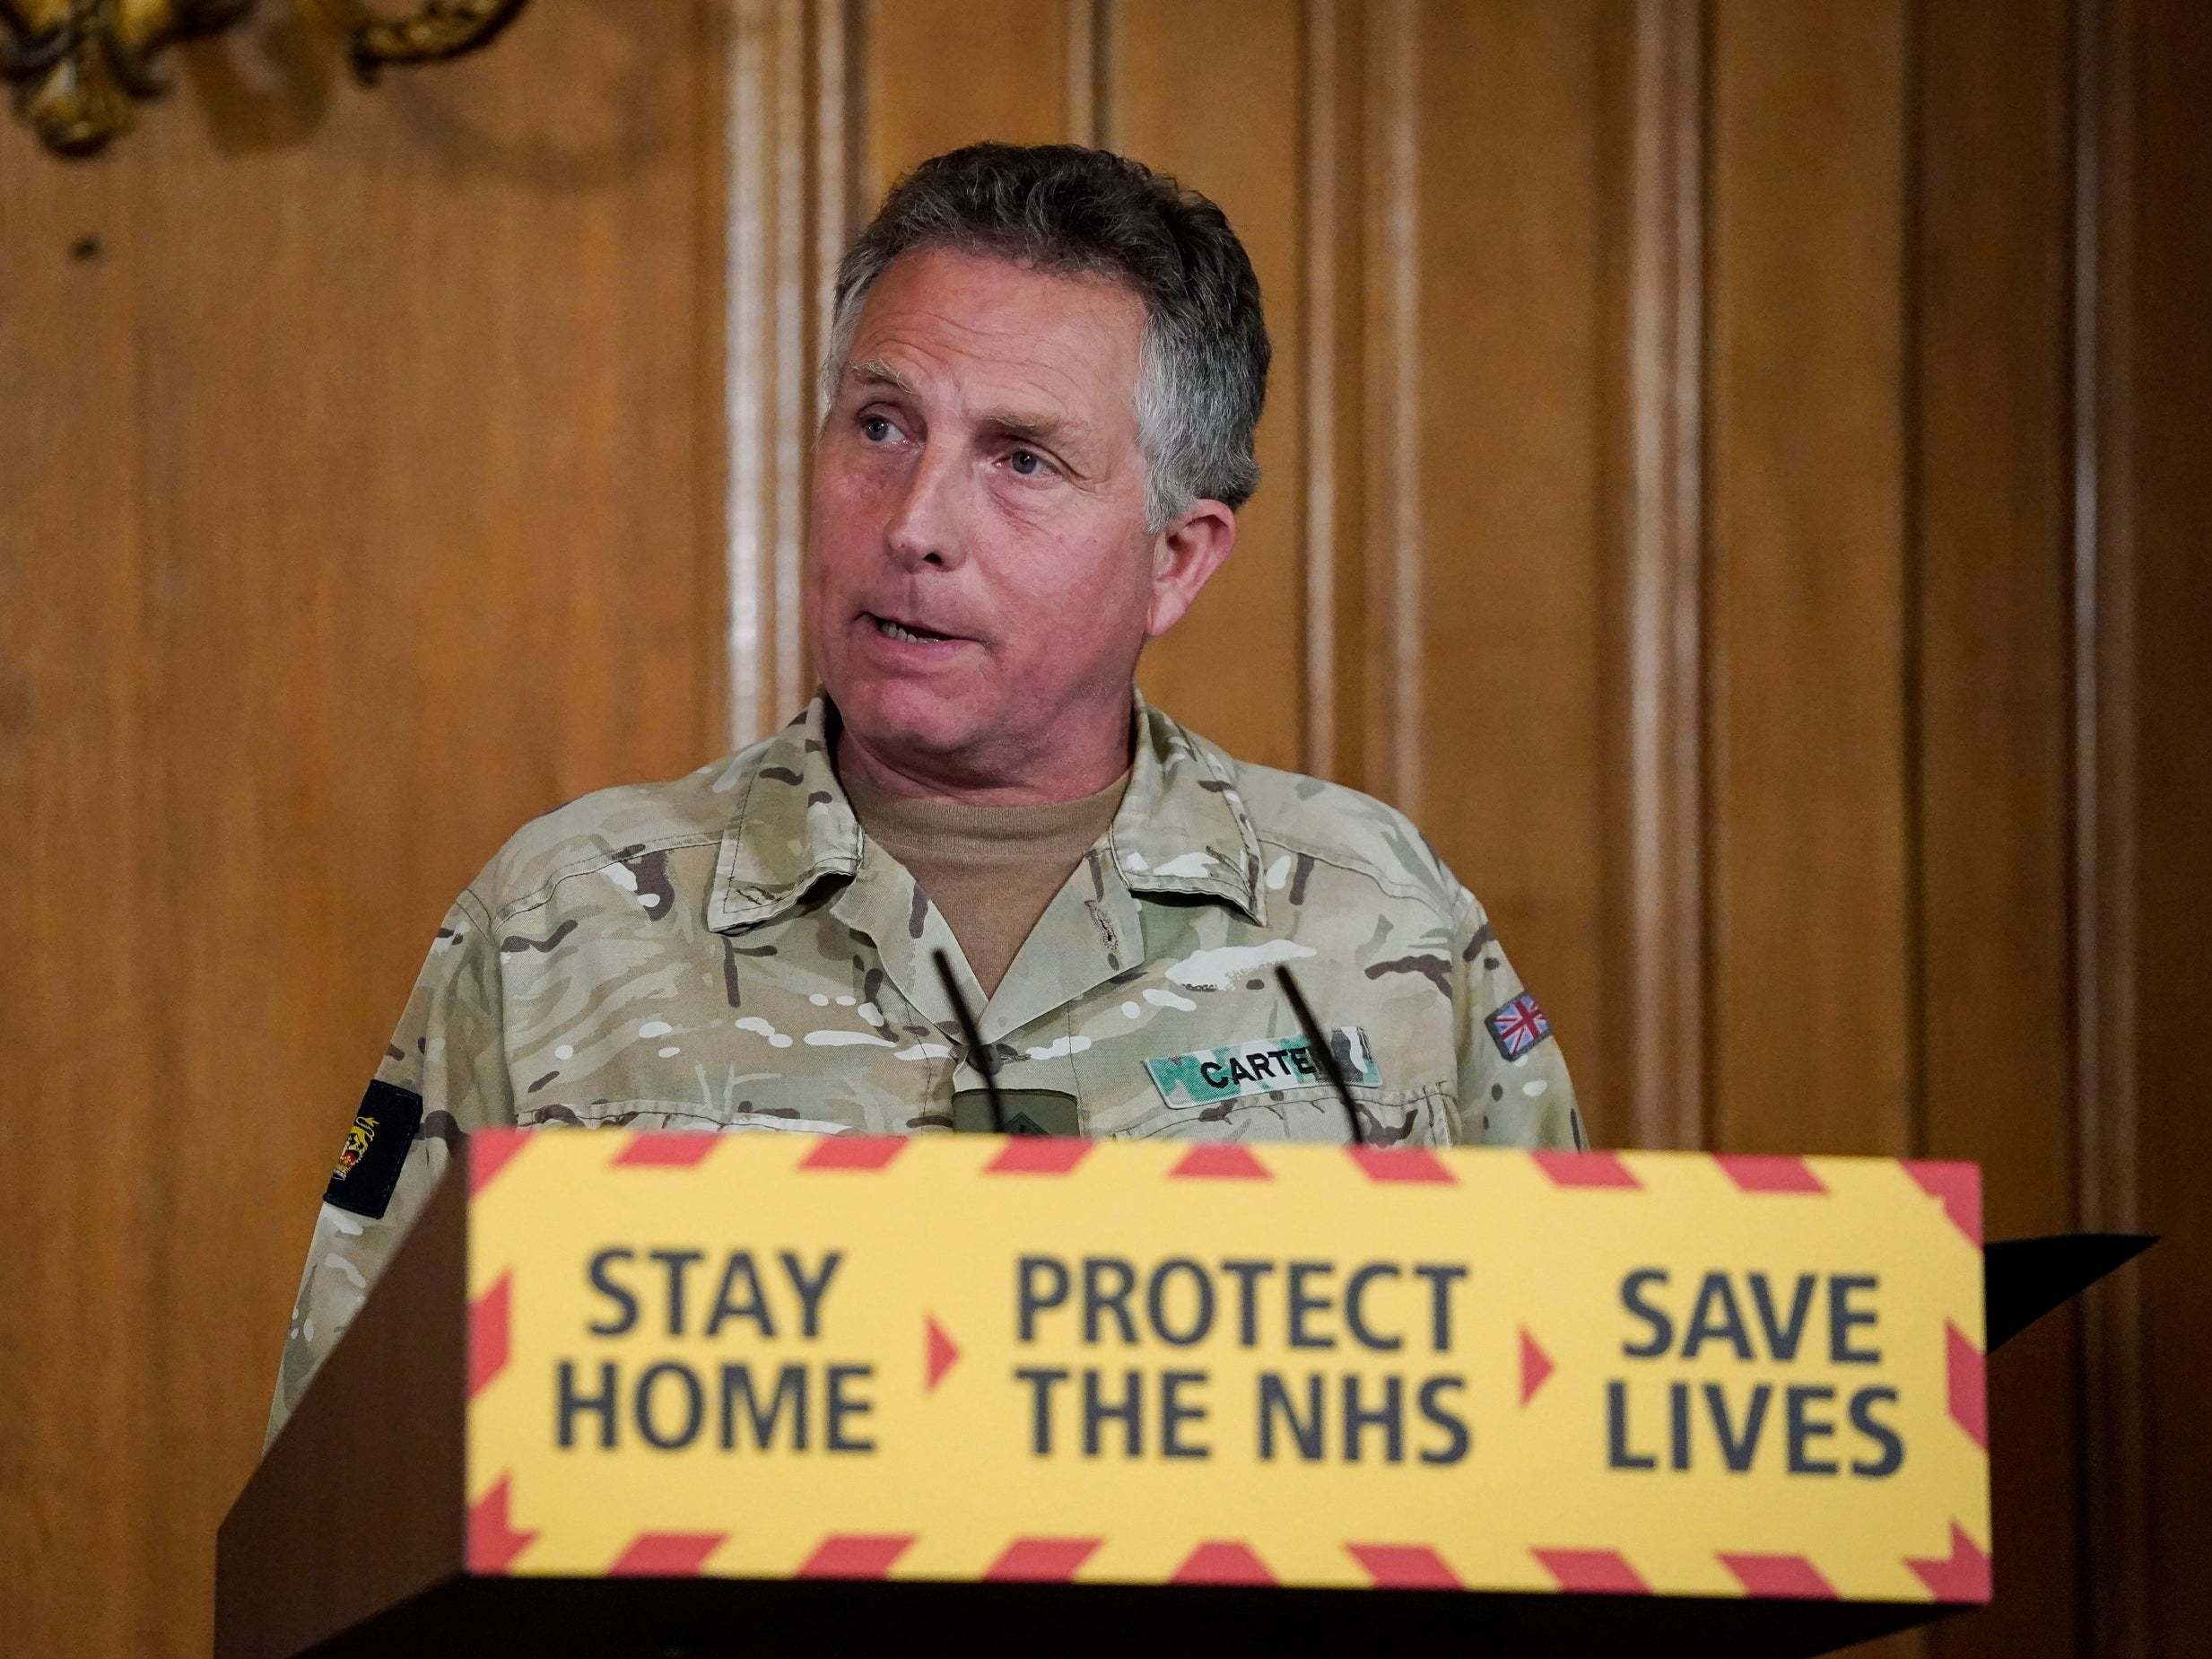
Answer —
992 871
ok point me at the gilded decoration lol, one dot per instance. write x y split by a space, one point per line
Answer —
79 68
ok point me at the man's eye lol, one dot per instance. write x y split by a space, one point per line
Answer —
875 429
1026 463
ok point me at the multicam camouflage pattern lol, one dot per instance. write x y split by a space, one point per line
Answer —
731 951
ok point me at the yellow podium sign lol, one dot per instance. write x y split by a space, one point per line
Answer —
968 1357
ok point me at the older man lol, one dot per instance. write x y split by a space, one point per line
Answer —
1046 368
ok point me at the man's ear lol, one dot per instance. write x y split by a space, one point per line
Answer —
1184 556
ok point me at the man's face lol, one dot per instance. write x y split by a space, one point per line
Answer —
980 577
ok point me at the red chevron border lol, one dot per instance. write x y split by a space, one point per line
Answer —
1788 1576
491 1150
861 1152
489 1330
1221 1160
1592 1572
1404 1566
1965 1576
854 1555
666 1555
1039 1155
1585 1169
1389 1165
493 1542
1223 1561
1754 1172
1957 1185
1966 1369
666 1149
1041 1560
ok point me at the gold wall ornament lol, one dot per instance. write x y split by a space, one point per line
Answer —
79 67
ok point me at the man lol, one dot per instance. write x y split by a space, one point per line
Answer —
1046 368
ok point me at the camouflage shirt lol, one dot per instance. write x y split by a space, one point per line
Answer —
730 951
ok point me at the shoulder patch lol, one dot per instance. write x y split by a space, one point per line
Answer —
376 1148
1517 1026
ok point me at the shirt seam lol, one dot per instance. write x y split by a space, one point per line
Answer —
479 913
543 894
1268 838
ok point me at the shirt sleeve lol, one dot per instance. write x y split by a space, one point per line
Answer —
1514 1090
444 1073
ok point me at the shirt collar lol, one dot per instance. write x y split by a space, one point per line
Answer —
1182 828
792 829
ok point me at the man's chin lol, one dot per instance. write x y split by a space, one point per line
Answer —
908 720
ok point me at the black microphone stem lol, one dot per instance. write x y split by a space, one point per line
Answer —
979 1056
1327 1055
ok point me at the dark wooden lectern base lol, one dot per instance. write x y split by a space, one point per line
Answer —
697 1619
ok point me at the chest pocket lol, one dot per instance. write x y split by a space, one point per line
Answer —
864 1091
1386 1117
659 1114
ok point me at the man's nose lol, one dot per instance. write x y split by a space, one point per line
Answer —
926 519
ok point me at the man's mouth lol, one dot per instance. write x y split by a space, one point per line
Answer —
910 633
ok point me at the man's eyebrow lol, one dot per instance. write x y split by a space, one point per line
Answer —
875 372
1023 425
1028 423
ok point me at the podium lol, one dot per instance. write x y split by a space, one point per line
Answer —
673 1393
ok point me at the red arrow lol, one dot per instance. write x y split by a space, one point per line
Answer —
1536 1365
939 1351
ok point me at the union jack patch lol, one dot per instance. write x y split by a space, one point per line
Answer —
1518 1027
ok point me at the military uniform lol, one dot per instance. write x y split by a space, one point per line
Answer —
731 951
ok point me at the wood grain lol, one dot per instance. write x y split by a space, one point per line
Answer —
1243 64
2167 1129
1653 508
1990 547
1509 612
940 73
2106 673
1336 664
358 519
1812 987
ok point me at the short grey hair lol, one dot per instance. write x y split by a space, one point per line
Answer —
1065 209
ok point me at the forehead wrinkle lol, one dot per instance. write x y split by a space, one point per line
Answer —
985 338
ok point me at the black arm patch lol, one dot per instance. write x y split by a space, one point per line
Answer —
375 1150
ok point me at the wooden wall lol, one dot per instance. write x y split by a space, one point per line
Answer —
1705 485
1733 472
362 500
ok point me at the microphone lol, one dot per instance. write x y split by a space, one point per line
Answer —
979 1056
1327 1055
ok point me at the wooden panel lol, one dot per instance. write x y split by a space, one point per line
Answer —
2120 1617
940 73
1233 668
2167 340
1333 333
71 992
1654 510
360 515
1812 918
1501 730
1990 274
788 172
